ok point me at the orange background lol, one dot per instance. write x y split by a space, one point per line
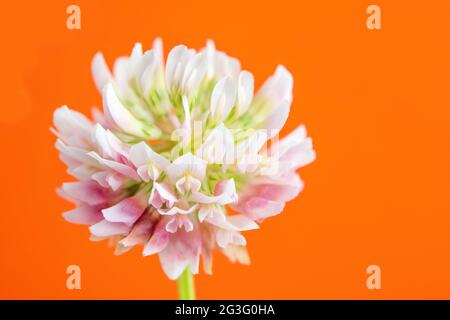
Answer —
376 103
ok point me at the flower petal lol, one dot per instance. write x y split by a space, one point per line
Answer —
109 145
278 87
195 71
135 57
142 154
141 231
84 215
281 189
126 211
183 250
188 184
109 179
185 132
151 67
158 240
177 60
276 121
225 194
298 156
187 163
89 192
72 127
121 73
226 237
100 71
220 64
236 253
108 229
232 223
218 147
122 118
222 98
293 151
73 156
116 166
179 222
162 194
258 208
244 92
177 210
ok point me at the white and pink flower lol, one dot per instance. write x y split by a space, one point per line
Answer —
178 161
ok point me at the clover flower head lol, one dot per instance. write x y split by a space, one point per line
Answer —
183 158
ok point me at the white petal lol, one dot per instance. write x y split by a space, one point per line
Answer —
102 141
108 179
172 267
289 141
258 208
187 125
88 191
298 156
203 198
225 195
237 253
173 60
165 192
176 64
119 114
179 222
145 71
135 57
154 68
84 215
127 211
157 242
143 172
245 91
205 210
183 250
278 87
194 73
157 49
276 121
242 222
117 146
293 151
73 155
72 126
187 184
210 50
227 66
218 147
108 144
142 154
232 223
176 210
226 237
116 166
121 72
189 164
220 64
222 98
226 189
107 229
251 145
100 71
99 117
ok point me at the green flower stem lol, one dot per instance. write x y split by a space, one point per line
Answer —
186 287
